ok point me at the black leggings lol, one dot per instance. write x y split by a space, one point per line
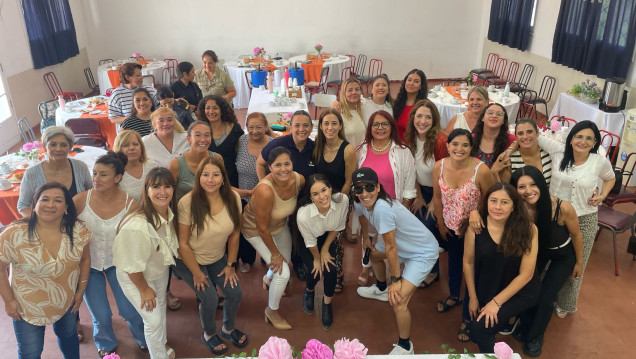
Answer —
308 259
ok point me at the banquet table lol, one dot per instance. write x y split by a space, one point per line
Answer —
260 102
312 71
108 74
572 107
237 71
447 109
79 109
9 198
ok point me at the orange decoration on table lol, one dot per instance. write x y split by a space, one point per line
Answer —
312 70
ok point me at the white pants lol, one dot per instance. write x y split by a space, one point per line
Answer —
279 281
155 321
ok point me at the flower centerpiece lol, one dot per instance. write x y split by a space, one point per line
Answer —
30 151
136 56
471 79
588 91
318 48
259 52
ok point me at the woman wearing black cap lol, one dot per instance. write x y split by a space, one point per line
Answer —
402 239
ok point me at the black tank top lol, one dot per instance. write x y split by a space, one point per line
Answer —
558 233
334 170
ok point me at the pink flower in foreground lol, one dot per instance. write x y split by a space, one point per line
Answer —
37 144
316 350
275 348
503 351
112 356
349 349
27 147
555 125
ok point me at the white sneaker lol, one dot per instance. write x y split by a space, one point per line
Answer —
398 350
373 292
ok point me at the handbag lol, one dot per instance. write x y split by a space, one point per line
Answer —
631 245
618 173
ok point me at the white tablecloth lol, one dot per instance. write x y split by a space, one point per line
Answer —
62 116
154 68
260 102
572 107
447 109
237 74
335 63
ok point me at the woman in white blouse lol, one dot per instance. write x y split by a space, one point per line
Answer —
321 216
351 110
132 182
101 209
144 248
168 140
380 98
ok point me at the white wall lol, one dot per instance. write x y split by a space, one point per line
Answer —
404 34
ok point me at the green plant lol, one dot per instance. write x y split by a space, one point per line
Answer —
586 89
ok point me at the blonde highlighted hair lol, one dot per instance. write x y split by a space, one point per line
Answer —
124 137
346 112
161 110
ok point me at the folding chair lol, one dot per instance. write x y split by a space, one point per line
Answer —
91 82
323 100
313 88
47 113
344 74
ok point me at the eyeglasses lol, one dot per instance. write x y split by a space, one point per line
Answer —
491 112
252 128
585 138
369 187
380 124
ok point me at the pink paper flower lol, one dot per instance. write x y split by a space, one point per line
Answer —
112 356
27 147
316 350
37 144
275 348
503 351
349 349
555 125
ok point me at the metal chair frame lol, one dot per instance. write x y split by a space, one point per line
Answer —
614 141
624 195
344 74
90 80
51 82
609 218
375 68
322 84
361 64
91 136
26 131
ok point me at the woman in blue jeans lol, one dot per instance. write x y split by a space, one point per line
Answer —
101 209
38 294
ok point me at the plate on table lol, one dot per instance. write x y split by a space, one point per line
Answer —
6 189
22 166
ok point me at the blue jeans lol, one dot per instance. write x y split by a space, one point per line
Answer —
97 303
30 337
427 194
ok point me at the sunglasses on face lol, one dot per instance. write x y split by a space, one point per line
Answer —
369 187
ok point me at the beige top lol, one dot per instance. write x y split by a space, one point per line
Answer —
278 219
43 285
139 247
217 85
209 245
355 129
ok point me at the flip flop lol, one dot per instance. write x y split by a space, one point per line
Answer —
235 337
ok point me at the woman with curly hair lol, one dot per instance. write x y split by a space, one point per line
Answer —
412 89
226 131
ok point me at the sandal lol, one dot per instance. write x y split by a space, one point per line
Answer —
339 285
235 337
173 303
445 306
143 348
171 354
464 331
426 284
102 353
214 341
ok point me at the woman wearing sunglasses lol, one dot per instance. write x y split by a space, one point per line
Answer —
403 239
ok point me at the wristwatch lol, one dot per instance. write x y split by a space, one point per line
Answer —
395 279
232 264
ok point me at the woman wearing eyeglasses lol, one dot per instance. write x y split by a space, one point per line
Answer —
404 239
491 137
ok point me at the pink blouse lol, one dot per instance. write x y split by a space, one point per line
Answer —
458 202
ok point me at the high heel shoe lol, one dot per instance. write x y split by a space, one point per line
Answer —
278 323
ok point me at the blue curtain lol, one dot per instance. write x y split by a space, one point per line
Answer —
596 37
510 23
51 31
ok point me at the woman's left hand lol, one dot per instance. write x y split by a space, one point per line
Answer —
395 297
77 302
317 270
490 313
326 259
502 161
417 205
230 276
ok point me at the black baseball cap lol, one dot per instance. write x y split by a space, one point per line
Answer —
365 175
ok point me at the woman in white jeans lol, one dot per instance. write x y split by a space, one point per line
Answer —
144 248
265 226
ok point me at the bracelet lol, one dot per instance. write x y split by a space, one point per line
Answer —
83 281
80 291
499 305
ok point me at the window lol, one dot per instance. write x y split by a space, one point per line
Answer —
511 22
5 107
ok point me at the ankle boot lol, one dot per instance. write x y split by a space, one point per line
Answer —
327 316
308 302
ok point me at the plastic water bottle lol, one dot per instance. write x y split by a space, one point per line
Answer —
62 102
270 82
506 90
286 75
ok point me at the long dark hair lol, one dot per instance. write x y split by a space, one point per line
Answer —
388 99
501 141
133 110
321 140
568 154
394 132
381 195
516 238
544 204
311 180
400 100
156 176
431 135
227 113
68 219
199 205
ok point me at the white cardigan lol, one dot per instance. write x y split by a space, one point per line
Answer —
403 166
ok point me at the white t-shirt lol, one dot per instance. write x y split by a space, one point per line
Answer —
369 107
156 151
423 170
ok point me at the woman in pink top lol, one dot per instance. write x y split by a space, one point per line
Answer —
459 182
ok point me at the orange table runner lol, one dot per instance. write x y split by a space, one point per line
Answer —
108 129
113 76
267 67
312 70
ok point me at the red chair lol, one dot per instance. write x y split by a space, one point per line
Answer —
526 110
497 72
312 88
624 195
491 62
344 74
501 81
611 142
172 63
565 120
51 82
87 132
375 68
352 61
69 96
617 222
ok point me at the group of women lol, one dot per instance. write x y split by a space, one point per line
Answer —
202 199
